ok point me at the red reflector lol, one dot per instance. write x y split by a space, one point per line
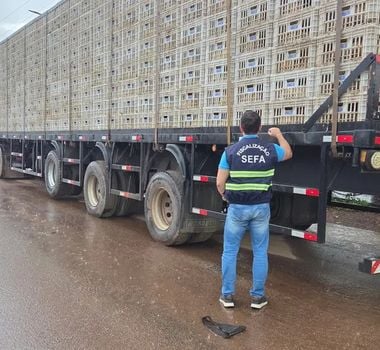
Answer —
375 266
189 138
345 139
203 212
203 179
310 236
377 140
312 192
127 167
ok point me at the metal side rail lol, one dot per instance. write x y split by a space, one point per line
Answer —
74 162
129 168
17 161
126 168
312 192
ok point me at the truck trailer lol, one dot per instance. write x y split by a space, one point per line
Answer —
134 101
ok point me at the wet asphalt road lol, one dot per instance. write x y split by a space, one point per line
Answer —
71 281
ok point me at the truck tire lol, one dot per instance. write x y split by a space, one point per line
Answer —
99 202
53 179
164 209
167 214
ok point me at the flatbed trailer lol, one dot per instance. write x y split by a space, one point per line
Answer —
171 171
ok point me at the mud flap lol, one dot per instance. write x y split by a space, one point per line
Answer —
222 329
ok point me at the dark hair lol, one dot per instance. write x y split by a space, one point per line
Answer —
250 122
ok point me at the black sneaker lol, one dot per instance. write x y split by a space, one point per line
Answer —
227 301
258 302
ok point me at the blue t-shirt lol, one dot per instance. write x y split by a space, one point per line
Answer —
223 164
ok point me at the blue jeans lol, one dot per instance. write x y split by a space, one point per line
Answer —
241 218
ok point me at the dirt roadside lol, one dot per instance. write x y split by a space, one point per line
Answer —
354 218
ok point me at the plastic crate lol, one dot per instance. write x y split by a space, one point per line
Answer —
147 28
146 85
169 41
131 16
129 105
217 25
168 101
130 87
292 86
290 112
251 13
146 67
191 55
254 39
191 76
191 99
192 33
286 8
216 72
324 82
252 91
168 61
146 104
193 10
169 5
130 52
355 14
215 96
169 81
293 59
190 118
215 117
217 49
168 119
260 108
354 46
255 64
170 19
130 35
216 6
296 30
147 8
350 109
147 49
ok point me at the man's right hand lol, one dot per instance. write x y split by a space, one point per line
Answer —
274 132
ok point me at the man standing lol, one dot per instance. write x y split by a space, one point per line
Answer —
244 180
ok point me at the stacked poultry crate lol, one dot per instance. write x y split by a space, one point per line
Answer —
35 72
16 80
360 36
58 68
137 64
3 90
293 56
254 23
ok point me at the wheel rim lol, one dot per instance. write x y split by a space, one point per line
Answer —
52 169
162 209
94 191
